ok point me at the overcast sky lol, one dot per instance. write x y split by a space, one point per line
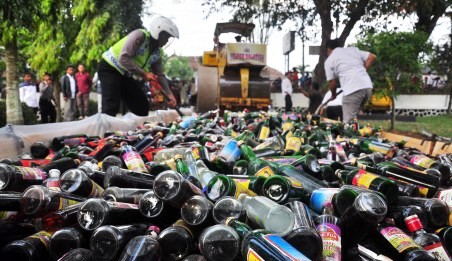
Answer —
196 33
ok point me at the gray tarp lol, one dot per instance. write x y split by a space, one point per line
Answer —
16 140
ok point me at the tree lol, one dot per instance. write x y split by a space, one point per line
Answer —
15 17
85 30
179 67
398 62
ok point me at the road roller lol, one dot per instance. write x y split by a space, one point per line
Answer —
230 77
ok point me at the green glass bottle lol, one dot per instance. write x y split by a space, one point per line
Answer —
294 142
264 131
255 183
262 245
309 163
181 166
282 189
246 151
222 185
362 178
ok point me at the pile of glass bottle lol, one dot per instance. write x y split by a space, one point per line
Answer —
244 186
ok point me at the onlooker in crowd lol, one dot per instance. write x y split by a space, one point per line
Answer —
130 62
174 87
183 92
84 83
48 112
314 95
193 92
429 81
334 107
286 89
98 87
27 92
294 78
69 89
349 66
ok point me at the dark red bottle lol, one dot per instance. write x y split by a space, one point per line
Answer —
64 240
31 248
16 178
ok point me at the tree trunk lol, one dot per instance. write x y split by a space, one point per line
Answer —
324 9
428 13
13 106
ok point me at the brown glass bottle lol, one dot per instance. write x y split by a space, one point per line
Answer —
126 195
64 240
115 176
16 178
31 248
436 210
77 182
10 201
177 242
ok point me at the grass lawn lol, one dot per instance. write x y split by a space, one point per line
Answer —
439 125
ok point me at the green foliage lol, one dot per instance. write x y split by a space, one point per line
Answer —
441 59
398 60
178 67
28 114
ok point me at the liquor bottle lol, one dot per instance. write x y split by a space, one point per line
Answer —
365 179
227 207
16 178
294 142
181 166
61 218
194 257
62 165
77 182
308 149
95 175
38 200
407 189
222 185
143 248
10 201
78 254
204 174
96 212
344 198
132 159
430 242
398 245
107 242
103 149
264 131
64 240
428 163
282 189
436 210
39 150
70 140
360 218
304 236
219 242
369 146
176 241
445 234
230 152
262 245
254 183
399 213
309 164
53 182
329 229
171 187
11 231
322 197
111 160
34 247
267 214
147 142
126 195
197 211
115 176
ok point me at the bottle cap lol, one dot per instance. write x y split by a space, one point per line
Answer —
413 223
54 173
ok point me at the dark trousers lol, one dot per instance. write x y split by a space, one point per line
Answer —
116 87
288 99
334 112
48 112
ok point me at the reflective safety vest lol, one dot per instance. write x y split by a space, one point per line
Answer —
144 58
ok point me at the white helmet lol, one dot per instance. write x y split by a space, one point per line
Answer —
159 24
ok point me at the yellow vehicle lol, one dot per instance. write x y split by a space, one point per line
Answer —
229 77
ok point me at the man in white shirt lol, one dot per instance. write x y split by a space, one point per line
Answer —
69 90
349 66
27 92
286 88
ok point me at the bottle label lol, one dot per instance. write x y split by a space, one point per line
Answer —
363 178
294 182
44 237
365 131
123 205
398 239
321 198
64 202
53 184
422 161
253 256
8 215
376 148
31 173
195 153
265 132
293 143
438 251
230 152
265 172
284 247
287 126
240 189
96 190
445 196
331 238
243 182
134 162
171 163
74 142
